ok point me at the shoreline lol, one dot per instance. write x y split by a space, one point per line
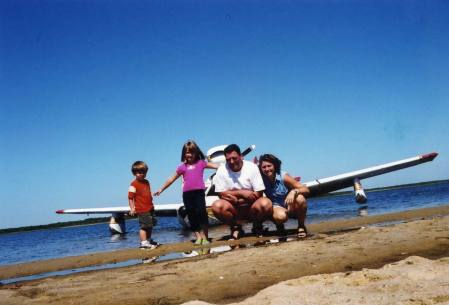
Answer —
123 255
242 273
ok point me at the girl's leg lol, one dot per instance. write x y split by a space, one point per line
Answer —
204 231
198 237
203 219
189 204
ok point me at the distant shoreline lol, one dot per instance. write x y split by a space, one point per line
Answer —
87 221
106 219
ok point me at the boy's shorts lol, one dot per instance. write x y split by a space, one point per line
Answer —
146 220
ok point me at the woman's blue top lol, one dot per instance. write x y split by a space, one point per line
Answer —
277 191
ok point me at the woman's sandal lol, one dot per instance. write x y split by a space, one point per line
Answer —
302 232
236 232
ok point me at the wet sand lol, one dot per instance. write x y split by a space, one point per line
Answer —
340 246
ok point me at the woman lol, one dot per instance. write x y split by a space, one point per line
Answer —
287 195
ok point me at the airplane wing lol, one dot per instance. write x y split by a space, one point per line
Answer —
330 184
317 187
159 210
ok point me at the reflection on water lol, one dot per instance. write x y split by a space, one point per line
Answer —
148 260
363 211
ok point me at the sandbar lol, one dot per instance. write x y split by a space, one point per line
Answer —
337 250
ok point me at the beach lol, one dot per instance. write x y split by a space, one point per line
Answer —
342 262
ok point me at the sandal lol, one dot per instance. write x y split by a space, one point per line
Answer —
302 232
236 232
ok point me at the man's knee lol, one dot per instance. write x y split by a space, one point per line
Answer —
220 206
264 204
217 207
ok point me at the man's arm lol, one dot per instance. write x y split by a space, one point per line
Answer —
239 197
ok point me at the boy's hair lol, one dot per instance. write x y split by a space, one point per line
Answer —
138 167
192 147
232 147
273 160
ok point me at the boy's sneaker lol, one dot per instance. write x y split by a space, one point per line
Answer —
145 244
154 243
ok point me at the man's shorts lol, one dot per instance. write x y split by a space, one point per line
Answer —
146 220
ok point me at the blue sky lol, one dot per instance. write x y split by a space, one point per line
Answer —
88 87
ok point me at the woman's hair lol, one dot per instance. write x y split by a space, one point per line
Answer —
139 167
192 147
273 160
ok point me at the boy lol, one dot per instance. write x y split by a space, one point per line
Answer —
141 204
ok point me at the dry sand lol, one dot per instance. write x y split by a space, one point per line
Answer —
240 275
414 280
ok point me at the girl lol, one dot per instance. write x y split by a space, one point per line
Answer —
191 169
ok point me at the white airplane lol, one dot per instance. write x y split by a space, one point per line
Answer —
216 155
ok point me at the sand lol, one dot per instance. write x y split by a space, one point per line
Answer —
414 280
328 268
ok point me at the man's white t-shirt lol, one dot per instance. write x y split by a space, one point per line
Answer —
248 178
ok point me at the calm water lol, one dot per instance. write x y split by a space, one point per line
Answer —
53 243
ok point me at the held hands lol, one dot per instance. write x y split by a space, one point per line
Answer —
239 197
132 212
228 197
158 192
249 196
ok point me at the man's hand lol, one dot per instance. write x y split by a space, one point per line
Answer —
248 196
229 197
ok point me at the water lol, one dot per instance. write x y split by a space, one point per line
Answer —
54 243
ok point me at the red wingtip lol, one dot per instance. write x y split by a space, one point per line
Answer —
60 212
430 156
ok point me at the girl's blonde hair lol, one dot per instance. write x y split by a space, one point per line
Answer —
192 147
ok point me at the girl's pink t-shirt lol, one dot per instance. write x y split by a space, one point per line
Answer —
192 175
